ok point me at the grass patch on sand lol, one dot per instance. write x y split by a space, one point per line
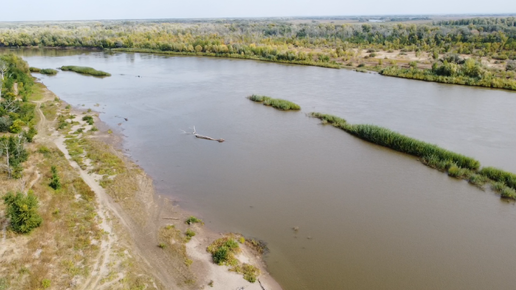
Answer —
279 104
85 70
224 251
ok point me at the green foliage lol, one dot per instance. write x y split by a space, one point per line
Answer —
30 134
46 283
17 126
22 210
34 69
88 119
511 65
85 70
189 234
55 182
275 103
223 251
48 71
193 220
470 73
499 175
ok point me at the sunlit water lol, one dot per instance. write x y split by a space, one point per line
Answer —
368 217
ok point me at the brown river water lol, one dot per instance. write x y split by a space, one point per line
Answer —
368 217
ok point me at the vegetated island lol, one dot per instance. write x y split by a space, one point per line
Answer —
85 70
279 104
456 165
394 46
45 71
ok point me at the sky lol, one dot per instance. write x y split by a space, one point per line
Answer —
29 10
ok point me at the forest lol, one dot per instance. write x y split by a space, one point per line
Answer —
396 47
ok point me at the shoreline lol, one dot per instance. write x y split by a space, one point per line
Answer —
145 213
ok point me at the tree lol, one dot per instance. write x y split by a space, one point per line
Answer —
55 183
22 210
4 68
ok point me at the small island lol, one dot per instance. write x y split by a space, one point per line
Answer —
85 70
279 104
45 71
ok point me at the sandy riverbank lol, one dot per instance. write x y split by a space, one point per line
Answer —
129 213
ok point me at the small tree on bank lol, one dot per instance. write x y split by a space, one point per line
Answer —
55 183
22 210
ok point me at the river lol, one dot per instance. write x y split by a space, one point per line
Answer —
368 217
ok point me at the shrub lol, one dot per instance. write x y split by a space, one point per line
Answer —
34 69
223 251
29 135
17 126
22 210
45 283
508 193
193 220
88 119
189 234
55 183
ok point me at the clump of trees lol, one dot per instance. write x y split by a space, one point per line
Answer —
22 211
17 115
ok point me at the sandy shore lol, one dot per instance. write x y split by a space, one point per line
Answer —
131 213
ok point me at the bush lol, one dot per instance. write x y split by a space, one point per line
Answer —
193 220
17 126
22 210
29 135
189 234
88 119
55 183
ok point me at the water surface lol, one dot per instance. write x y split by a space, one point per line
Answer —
369 218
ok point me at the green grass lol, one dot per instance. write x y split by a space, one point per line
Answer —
48 71
279 104
509 179
85 70
193 220
189 234
223 251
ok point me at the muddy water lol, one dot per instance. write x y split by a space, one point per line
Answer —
368 217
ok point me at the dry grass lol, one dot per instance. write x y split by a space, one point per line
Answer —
172 242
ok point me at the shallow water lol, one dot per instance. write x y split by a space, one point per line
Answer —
369 218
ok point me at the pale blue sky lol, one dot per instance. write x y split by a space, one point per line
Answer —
145 9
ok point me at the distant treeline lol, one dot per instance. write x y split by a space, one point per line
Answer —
271 39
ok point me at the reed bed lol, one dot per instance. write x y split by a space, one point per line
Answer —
85 70
279 104
508 178
46 71
456 165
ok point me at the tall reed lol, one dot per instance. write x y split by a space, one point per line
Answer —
279 104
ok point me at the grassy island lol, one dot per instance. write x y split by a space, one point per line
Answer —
45 71
85 70
455 164
279 104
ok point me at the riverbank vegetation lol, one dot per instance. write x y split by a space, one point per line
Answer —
333 42
224 251
456 165
279 104
85 70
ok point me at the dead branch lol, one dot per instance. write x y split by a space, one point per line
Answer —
201 136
